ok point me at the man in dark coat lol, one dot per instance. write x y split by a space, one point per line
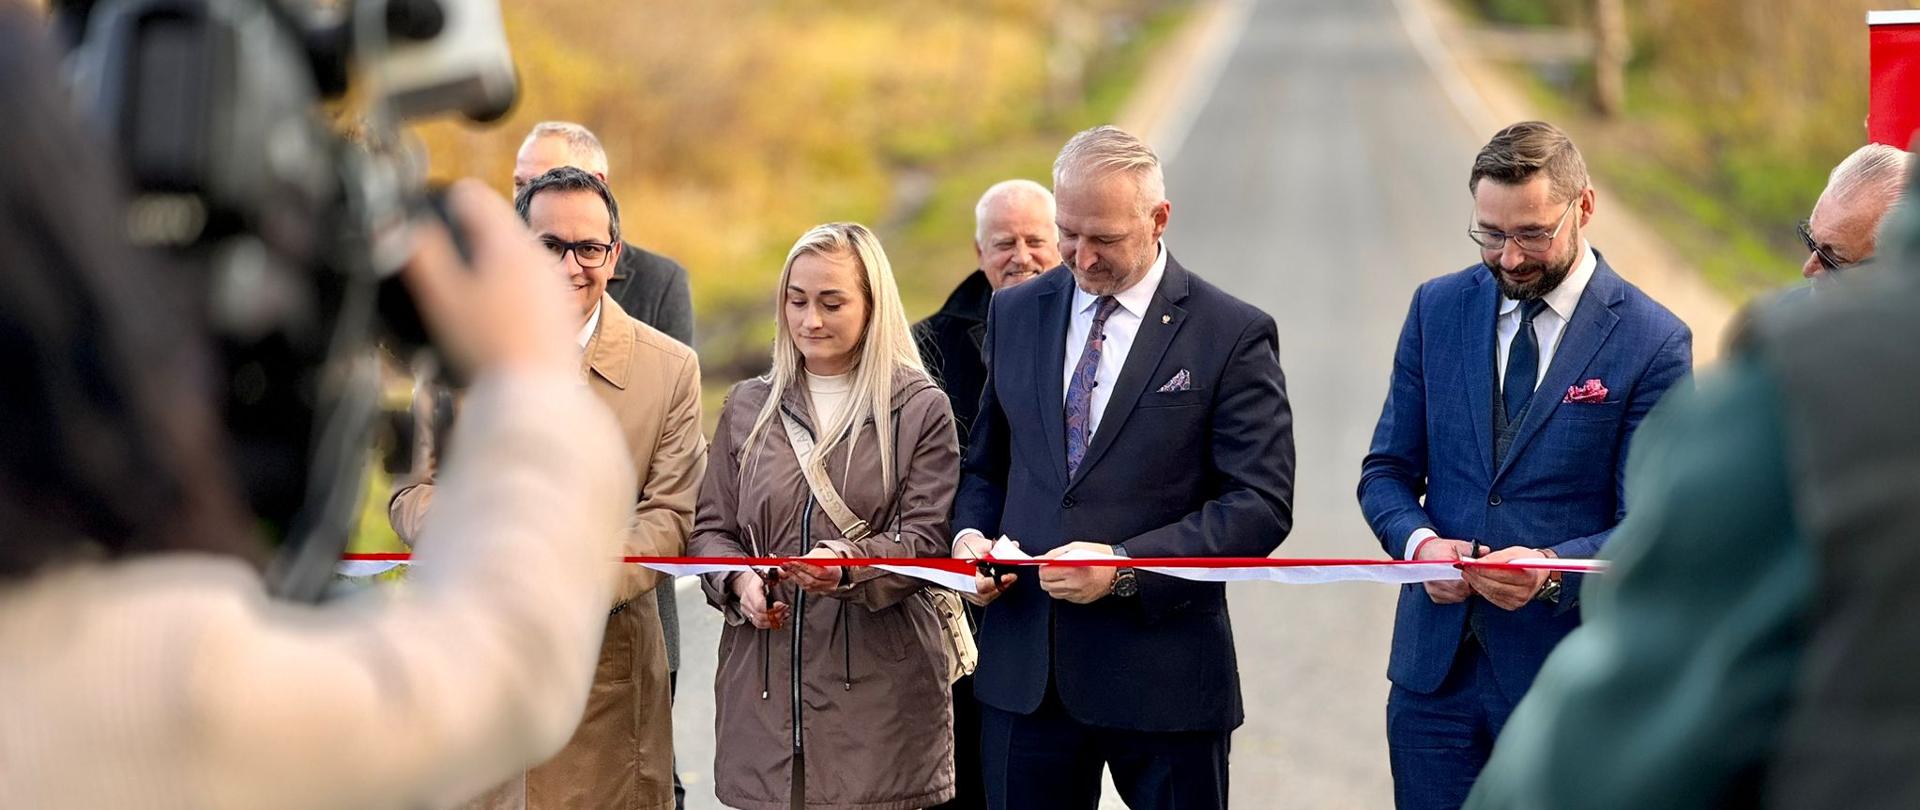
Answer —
1014 239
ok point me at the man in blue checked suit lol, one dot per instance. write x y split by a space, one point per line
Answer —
1131 408
1516 387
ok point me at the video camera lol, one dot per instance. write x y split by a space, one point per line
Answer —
263 145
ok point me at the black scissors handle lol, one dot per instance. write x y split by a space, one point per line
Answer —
993 571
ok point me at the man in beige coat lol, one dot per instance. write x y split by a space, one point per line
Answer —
620 757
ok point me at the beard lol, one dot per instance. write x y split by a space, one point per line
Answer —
1107 277
1543 276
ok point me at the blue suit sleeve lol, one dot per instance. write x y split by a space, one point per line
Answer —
1393 477
983 472
1670 365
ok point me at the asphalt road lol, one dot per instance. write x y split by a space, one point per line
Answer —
1322 180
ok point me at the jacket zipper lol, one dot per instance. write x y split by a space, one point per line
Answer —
799 797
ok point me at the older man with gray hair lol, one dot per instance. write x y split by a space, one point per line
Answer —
1844 229
1014 240
1130 409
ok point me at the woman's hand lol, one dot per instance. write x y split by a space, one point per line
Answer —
817 579
752 590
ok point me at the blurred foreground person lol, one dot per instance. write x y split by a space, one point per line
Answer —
1014 241
831 689
620 758
145 665
1757 641
1844 229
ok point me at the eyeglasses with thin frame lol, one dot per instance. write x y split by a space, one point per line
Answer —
590 255
1824 256
1529 241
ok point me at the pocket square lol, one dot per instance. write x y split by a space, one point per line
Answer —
1182 381
1591 392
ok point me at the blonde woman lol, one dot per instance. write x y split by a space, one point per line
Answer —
853 657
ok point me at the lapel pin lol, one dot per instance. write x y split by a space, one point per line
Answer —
1166 319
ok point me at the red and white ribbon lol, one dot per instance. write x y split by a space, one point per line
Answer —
958 574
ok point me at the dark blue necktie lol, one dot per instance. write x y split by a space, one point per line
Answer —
1523 362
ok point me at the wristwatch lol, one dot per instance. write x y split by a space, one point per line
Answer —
1549 591
1124 582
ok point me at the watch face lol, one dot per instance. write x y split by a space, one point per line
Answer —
1124 583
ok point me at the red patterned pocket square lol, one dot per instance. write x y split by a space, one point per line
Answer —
1590 391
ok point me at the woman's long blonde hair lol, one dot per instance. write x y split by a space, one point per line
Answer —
886 344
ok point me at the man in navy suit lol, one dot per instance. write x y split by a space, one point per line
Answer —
1516 387
1130 408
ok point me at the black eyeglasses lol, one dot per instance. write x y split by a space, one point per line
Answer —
1529 241
589 254
1820 254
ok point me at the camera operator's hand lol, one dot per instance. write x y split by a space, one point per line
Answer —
500 312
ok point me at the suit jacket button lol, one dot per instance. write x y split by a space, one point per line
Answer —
1068 502
1494 499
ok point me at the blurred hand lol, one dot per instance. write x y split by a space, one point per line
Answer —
1077 584
1508 589
752 592
498 313
1437 549
816 579
973 547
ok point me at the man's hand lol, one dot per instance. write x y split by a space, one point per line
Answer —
751 589
1446 592
816 579
972 546
1077 584
1510 589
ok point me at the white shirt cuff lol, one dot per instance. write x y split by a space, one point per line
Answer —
964 534
1420 535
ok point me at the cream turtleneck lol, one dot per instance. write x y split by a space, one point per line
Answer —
831 395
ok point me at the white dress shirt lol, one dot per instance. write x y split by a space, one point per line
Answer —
1122 326
1548 326
586 332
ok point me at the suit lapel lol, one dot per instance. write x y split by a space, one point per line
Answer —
1477 312
1593 320
1055 301
1149 345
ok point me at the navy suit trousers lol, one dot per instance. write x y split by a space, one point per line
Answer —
1437 743
1047 760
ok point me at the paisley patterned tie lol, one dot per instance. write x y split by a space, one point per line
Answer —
1080 391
